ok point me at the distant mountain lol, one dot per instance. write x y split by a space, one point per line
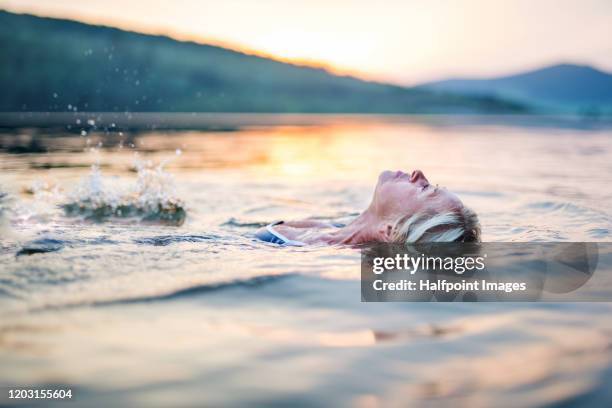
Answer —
56 65
564 88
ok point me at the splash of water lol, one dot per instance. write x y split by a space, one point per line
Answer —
42 189
151 198
3 210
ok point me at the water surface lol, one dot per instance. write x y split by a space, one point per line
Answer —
130 310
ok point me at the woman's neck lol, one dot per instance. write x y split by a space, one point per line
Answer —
362 229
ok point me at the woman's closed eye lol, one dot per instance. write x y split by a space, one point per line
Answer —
428 188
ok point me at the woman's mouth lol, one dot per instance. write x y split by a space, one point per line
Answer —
389 175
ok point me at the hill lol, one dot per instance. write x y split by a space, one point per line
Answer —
57 65
562 88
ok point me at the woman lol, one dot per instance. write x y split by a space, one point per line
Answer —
405 209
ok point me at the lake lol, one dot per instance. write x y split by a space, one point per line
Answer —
187 309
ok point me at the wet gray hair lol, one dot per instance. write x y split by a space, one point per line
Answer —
455 226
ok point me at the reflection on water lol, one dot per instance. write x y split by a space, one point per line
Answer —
226 320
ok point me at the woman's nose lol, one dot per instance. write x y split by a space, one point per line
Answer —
416 176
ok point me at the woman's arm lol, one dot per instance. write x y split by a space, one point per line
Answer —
307 224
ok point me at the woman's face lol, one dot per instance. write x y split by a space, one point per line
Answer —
398 194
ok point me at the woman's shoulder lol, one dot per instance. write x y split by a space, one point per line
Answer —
311 224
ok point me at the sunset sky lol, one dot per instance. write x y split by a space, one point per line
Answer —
400 41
